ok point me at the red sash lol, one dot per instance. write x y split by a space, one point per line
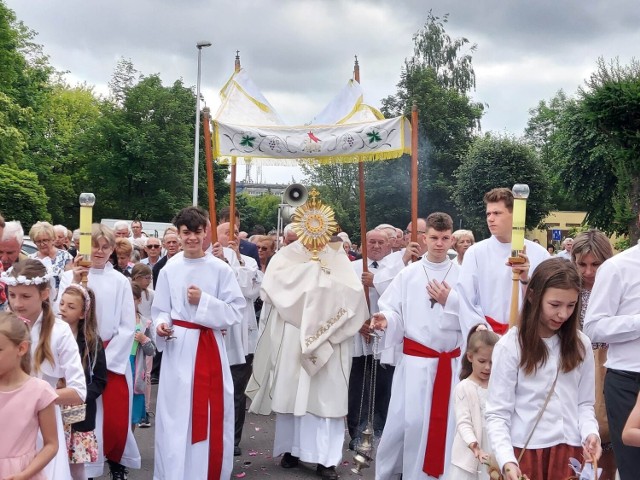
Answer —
433 464
116 421
496 326
208 394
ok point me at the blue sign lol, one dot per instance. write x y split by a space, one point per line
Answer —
556 235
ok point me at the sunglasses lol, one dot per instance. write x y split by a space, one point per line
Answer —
153 246
263 249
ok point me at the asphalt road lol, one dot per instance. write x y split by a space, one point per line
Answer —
255 462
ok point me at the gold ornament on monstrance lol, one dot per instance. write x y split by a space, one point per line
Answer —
314 223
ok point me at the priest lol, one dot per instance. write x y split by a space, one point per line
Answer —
315 304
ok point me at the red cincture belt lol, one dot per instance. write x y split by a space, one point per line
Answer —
208 395
433 464
499 328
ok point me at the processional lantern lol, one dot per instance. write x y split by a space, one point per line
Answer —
87 201
520 194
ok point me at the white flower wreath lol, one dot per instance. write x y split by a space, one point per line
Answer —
12 281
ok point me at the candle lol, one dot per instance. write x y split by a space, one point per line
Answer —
87 200
520 194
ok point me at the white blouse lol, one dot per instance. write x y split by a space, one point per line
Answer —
515 399
68 364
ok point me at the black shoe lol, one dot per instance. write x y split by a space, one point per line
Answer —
118 472
144 423
328 473
237 451
353 444
289 461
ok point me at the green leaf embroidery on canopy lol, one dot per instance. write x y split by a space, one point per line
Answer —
374 136
247 141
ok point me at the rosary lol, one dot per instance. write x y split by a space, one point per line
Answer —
432 300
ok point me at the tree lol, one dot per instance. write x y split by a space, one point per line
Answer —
438 79
599 138
543 132
22 197
500 161
140 154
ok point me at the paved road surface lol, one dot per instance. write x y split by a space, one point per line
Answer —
256 461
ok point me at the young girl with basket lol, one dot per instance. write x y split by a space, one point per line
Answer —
541 392
27 404
470 445
77 308
54 351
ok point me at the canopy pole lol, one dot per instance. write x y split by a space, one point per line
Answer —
363 202
414 172
232 200
210 182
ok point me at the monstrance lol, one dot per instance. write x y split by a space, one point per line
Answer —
314 223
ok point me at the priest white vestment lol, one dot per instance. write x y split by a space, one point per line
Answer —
303 357
176 456
406 306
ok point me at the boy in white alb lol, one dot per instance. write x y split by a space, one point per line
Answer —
197 296
485 280
413 310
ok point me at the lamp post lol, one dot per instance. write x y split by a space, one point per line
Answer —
200 45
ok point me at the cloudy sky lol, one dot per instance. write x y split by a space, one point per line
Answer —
301 52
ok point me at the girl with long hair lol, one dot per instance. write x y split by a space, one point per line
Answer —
27 405
77 308
541 391
54 351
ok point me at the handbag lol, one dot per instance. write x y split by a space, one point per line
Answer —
73 413
493 469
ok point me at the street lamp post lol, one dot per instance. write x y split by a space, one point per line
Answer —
200 45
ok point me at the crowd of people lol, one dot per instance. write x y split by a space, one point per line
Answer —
414 335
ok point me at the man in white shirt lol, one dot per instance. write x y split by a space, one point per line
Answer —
378 247
568 246
613 317
486 279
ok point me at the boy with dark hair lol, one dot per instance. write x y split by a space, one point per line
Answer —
197 297
417 443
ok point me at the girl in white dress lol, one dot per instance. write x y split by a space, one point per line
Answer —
542 387
54 349
470 445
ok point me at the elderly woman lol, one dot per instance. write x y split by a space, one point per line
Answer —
43 235
462 240
590 250
266 248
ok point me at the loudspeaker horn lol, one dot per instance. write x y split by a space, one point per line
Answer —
295 195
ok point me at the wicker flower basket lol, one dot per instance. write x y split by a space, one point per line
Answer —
73 414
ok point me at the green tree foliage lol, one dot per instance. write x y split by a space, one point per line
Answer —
140 154
497 161
438 78
22 197
543 133
598 137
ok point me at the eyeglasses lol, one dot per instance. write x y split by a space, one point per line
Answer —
41 241
263 249
408 232
153 246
